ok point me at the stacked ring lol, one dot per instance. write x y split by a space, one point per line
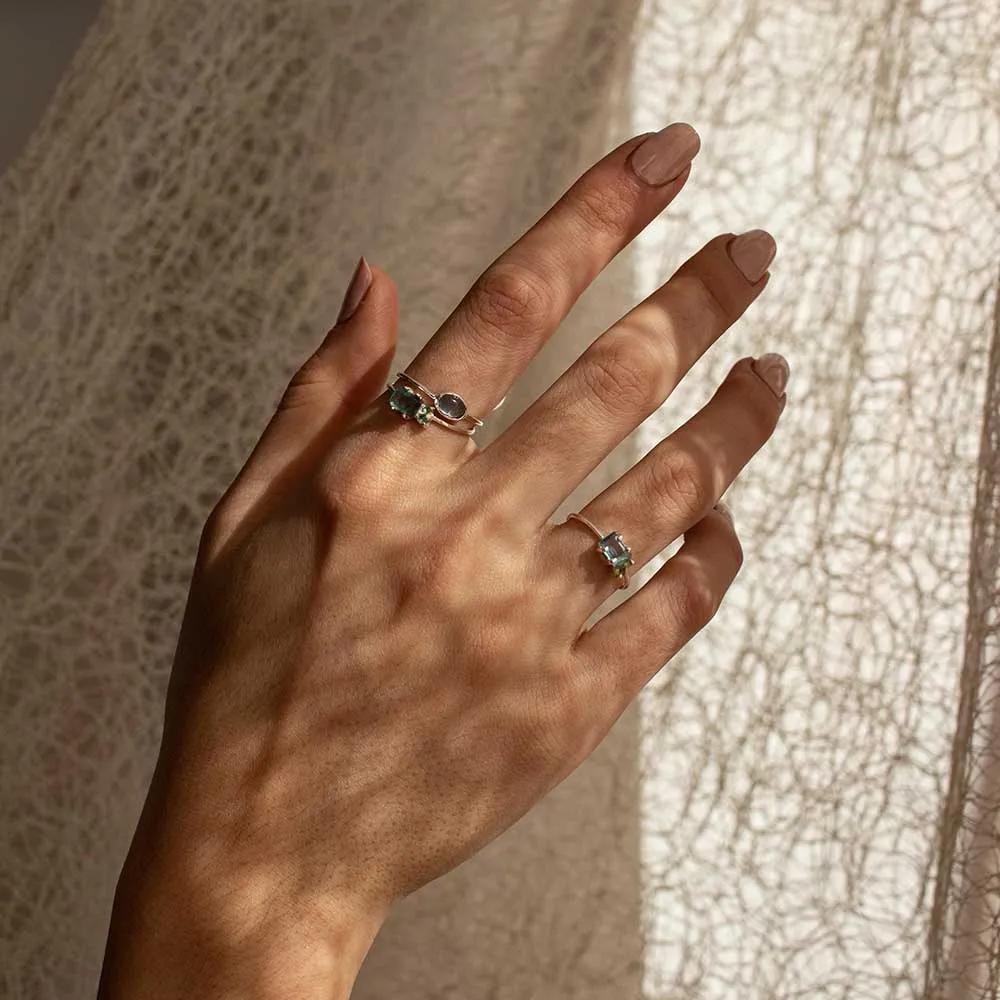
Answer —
447 409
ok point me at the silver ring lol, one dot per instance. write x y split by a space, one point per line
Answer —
612 547
447 409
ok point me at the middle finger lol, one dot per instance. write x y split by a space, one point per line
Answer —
517 303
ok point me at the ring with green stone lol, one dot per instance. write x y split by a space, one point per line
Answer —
447 409
612 547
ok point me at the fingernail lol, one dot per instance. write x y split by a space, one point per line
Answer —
773 369
725 510
356 291
664 155
752 253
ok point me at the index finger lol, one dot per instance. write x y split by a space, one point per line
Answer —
517 303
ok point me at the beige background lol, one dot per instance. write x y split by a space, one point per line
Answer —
817 810
163 282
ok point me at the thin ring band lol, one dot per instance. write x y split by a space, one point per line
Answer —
612 547
435 396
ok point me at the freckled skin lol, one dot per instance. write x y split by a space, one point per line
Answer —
405 695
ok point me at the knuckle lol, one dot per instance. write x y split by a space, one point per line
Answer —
226 514
625 372
225 520
679 481
605 208
698 305
508 294
353 478
694 603
711 301
217 525
309 384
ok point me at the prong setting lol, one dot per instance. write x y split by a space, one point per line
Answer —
617 553
409 405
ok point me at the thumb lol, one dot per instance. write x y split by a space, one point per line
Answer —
341 377
349 368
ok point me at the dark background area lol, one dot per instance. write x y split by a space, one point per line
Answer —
37 41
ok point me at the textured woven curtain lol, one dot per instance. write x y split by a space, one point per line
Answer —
805 802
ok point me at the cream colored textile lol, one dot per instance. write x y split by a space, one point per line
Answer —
792 817
799 758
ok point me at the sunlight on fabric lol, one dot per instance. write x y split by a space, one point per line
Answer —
796 754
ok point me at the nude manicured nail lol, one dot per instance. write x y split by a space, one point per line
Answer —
773 369
752 253
360 283
665 154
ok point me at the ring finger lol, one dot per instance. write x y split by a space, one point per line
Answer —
676 484
624 376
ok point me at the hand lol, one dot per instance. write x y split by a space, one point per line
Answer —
383 662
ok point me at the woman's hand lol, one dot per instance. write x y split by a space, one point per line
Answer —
383 662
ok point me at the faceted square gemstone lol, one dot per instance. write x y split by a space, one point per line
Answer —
410 404
615 550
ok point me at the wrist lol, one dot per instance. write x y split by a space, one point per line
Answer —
220 932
